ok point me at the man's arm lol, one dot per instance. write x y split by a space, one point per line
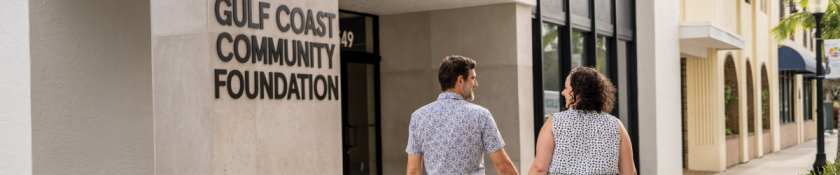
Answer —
503 163
415 165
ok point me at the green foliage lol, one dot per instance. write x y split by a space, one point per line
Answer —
804 20
728 98
764 95
829 168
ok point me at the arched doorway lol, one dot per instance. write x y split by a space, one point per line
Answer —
765 111
751 117
731 114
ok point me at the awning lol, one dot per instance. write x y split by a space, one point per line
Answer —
790 59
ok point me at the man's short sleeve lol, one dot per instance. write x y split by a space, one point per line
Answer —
491 136
414 146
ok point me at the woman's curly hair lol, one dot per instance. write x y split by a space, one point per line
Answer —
591 91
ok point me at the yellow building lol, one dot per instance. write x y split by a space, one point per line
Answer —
739 101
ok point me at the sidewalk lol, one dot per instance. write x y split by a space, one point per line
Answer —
793 160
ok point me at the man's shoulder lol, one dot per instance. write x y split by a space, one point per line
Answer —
426 109
478 109
434 107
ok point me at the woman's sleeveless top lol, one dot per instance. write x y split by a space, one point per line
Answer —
585 143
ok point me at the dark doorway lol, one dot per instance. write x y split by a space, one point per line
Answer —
360 105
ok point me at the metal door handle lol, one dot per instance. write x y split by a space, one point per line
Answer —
354 136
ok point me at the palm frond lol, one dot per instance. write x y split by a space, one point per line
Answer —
788 26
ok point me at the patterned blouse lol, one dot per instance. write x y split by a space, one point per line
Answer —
452 135
585 143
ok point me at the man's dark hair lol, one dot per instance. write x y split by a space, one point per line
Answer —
452 67
591 91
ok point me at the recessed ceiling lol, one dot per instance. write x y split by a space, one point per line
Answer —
389 7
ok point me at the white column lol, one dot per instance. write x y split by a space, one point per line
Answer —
16 115
658 60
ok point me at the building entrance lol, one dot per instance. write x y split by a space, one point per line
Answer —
362 141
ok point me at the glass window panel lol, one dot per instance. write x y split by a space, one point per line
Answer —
355 32
624 13
580 7
603 11
552 9
578 49
602 63
551 69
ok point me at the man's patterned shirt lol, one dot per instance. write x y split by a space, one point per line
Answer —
452 135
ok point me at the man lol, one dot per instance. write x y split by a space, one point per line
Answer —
451 135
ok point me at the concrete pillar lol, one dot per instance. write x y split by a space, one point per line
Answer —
16 118
197 133
412 47
91 90
660 146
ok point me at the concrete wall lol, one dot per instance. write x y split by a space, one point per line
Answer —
810 130
733 146
197 133
414 44
15 120
91 87
659 86
767 146
789 136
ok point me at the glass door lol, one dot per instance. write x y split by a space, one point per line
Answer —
361 116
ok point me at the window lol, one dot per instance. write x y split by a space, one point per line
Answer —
787 97
356 33
806 95
781 10
602 62
805 39
551 70
578 49
812 43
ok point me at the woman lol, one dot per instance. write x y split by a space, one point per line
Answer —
585 138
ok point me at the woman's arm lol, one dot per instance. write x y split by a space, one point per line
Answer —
625 153
545 149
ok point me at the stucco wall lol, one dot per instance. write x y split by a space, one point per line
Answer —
809 127
91 87
733 153
413 46
789 135
15 118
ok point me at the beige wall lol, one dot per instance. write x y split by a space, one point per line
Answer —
91 87
200 134
750 22
788 136
412 46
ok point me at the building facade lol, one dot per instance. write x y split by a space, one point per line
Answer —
744 94
328 86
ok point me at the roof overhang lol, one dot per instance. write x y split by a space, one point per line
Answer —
389 7
696 37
